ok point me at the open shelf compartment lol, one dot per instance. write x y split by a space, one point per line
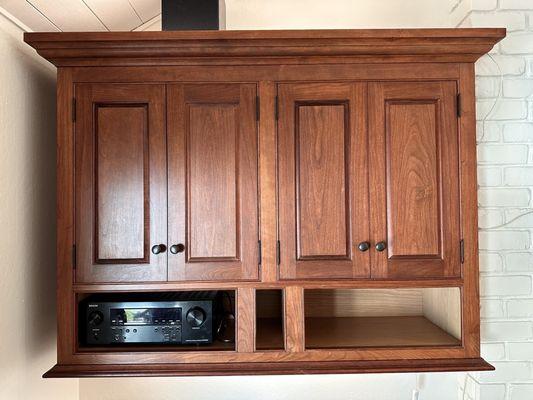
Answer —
269 323
128 321
362 318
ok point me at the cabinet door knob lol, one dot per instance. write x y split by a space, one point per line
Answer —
177 248
159 248
363 246
380 246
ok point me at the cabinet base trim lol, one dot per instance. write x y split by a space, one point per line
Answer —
292 368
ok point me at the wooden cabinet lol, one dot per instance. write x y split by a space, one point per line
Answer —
368 191
325 178
122 183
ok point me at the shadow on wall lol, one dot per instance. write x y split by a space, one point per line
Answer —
40 218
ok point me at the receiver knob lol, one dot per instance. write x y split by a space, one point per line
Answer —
195 317
95 318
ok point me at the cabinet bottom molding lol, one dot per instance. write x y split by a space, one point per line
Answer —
264 368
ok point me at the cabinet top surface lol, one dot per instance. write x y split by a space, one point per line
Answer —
353 45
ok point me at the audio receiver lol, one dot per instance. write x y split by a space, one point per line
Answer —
173 318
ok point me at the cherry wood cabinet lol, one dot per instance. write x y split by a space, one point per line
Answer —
326 178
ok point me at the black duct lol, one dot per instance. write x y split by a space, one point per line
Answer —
190 15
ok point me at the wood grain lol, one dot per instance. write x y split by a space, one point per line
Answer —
321 169
212 203
293 301
258 368
213 182
65 203
318 214
469 216
414 194
345 332
267 181
307 46
412 178
110 173
442 306
122 225
246 320
363 302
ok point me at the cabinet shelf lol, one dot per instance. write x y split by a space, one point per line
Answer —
335 332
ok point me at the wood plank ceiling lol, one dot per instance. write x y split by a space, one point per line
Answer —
86 15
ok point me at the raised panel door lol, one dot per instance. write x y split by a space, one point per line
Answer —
415 180
322 173
213 182
120 183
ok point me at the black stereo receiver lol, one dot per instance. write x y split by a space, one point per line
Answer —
177 318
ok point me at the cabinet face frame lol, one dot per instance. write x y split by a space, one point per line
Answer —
67 355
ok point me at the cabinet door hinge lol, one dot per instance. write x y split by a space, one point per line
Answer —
462 250
278 253
73 110
260 252
458 104
74 256
276 111
257 108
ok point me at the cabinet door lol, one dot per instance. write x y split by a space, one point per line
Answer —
414 182
323 192
213 208
120 183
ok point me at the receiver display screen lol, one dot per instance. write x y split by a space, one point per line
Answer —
145 316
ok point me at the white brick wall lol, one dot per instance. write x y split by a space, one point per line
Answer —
504 88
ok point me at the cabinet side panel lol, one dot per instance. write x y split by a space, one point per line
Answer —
66 326
469 215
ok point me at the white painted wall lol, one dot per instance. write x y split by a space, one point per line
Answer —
27 223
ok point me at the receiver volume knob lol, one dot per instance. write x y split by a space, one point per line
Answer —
95 318
195 317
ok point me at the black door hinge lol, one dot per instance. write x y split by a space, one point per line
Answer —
260 252
73 110
458 103
277 108
462 250
74 256
257 108
278 253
